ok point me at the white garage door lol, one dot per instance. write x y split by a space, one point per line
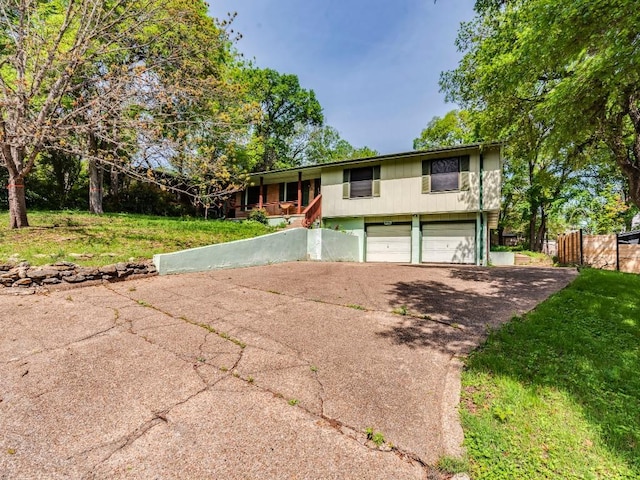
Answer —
449 243
389 243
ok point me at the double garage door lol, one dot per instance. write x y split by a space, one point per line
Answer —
441 243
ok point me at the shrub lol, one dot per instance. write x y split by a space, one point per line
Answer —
259 215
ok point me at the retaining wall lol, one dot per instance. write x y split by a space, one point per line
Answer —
291 245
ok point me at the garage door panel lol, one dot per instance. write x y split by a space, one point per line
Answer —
449 243
389 230
389 243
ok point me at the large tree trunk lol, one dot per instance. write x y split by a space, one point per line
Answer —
533 220
17 202
95 187
542 231
14 158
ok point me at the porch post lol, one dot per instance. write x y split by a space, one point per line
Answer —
260 197
299 193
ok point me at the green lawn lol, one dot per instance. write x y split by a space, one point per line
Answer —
100 240
556 394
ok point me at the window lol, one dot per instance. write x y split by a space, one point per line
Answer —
289 192
253 196
361 182
445 174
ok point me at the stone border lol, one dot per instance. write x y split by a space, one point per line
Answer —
23 276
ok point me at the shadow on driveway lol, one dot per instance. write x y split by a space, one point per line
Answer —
469 300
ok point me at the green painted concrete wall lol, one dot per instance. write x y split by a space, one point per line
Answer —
354 226
502 258
333 246
287 246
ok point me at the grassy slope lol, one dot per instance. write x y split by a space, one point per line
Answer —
557 394
110 238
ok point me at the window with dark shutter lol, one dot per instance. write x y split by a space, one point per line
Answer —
361 182
445 174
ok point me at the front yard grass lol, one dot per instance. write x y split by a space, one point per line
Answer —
92 240
556 394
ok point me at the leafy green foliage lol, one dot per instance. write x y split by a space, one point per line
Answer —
554 78
326 145
455 128
376 437
137 86
259 215
288 112
556 394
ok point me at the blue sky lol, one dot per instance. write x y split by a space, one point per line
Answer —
373 64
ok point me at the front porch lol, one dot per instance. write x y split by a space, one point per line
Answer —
282 196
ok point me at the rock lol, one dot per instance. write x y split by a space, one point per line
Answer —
124 273
74 278
5 267
7 282
12 274
151 269
88 272
42 273
22 272
64 264
51 281
23 282
122 266
108 269
67 273
23 264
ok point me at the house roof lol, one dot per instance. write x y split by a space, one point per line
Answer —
379 158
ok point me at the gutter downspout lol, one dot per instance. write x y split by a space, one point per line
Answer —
481 205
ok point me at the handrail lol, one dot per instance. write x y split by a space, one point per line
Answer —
312 212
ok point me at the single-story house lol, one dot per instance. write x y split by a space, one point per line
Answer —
433 206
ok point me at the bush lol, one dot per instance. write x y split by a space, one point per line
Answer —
259 215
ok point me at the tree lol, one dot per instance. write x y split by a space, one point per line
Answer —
599 200
288 113
571 66
100 78
455 128
326 145
59 178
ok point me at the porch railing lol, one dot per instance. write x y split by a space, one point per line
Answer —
312 212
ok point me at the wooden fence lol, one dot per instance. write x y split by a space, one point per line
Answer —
598 251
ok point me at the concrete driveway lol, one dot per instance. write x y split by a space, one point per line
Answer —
264 372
